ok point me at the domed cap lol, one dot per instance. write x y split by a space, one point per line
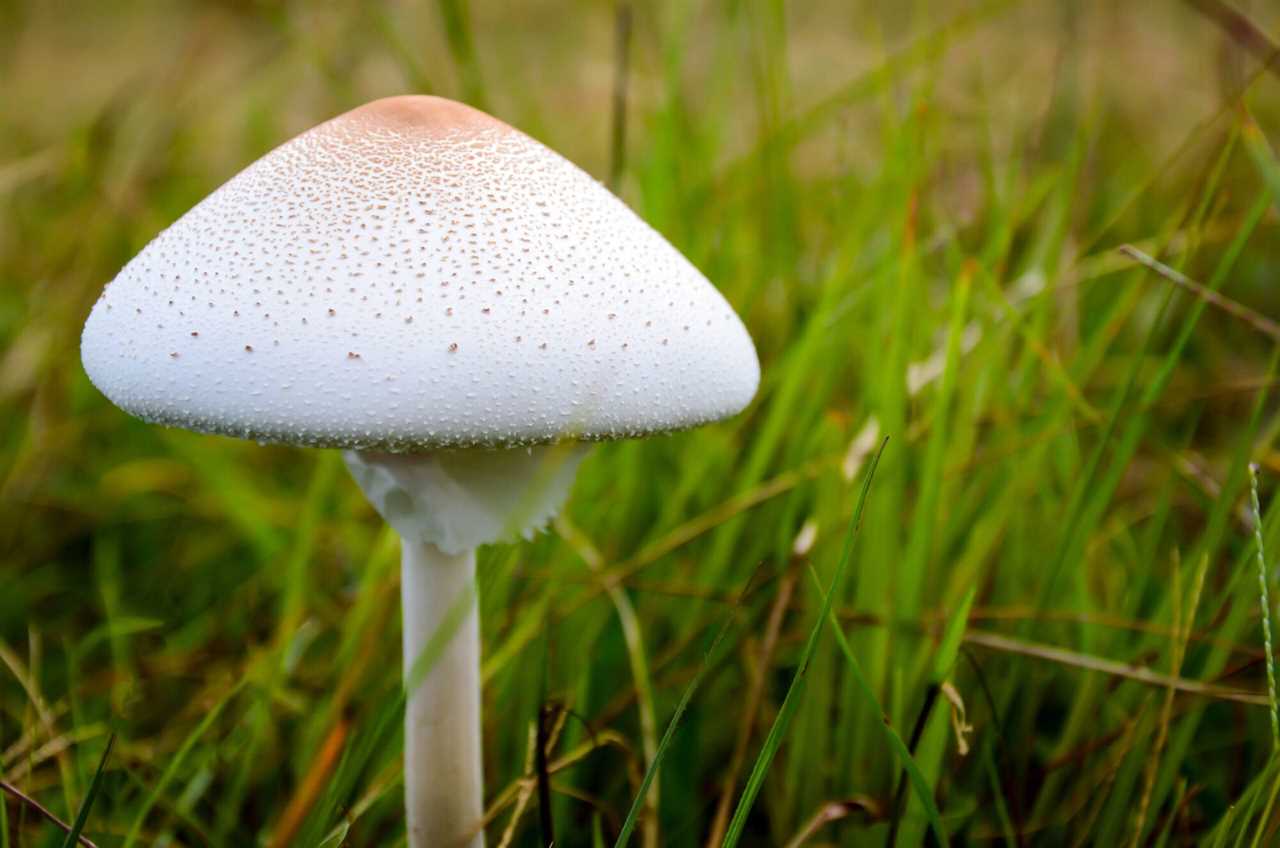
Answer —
416 274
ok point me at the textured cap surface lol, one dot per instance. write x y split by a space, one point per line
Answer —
416 274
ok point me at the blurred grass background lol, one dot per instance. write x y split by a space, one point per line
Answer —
1053 598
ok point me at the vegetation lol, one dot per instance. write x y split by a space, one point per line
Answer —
1046 626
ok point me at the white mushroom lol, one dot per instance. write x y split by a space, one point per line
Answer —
447 300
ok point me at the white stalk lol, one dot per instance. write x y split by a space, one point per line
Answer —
443 760
444 504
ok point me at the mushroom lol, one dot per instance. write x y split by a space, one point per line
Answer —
462 311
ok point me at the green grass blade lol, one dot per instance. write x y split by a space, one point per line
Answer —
82 817
1265 612
460 38
637 804
378 735
779 728
918 782
176 763
336 838
945 660
1265 161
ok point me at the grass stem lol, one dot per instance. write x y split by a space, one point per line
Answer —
1269 660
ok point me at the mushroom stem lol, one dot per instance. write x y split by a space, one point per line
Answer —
443 505
443 763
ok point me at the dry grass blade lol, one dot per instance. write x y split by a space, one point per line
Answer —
697 526
1258 321
536 776
799 680
1151 628
755 696
31 687
313 784
1101 788
1182 624
636 658
714 517
834 811
28 684
1242 31
15 173
1141 674
22 758
528 783
526 790
42 810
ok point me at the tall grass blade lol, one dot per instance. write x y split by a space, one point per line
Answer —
1268 660
638 803
945 660
82 817
918 782
796 690
176 762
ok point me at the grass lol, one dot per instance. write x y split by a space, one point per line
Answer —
936 220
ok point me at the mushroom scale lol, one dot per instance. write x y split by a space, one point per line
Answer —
415 274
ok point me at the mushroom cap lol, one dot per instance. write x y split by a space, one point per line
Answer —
416 274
